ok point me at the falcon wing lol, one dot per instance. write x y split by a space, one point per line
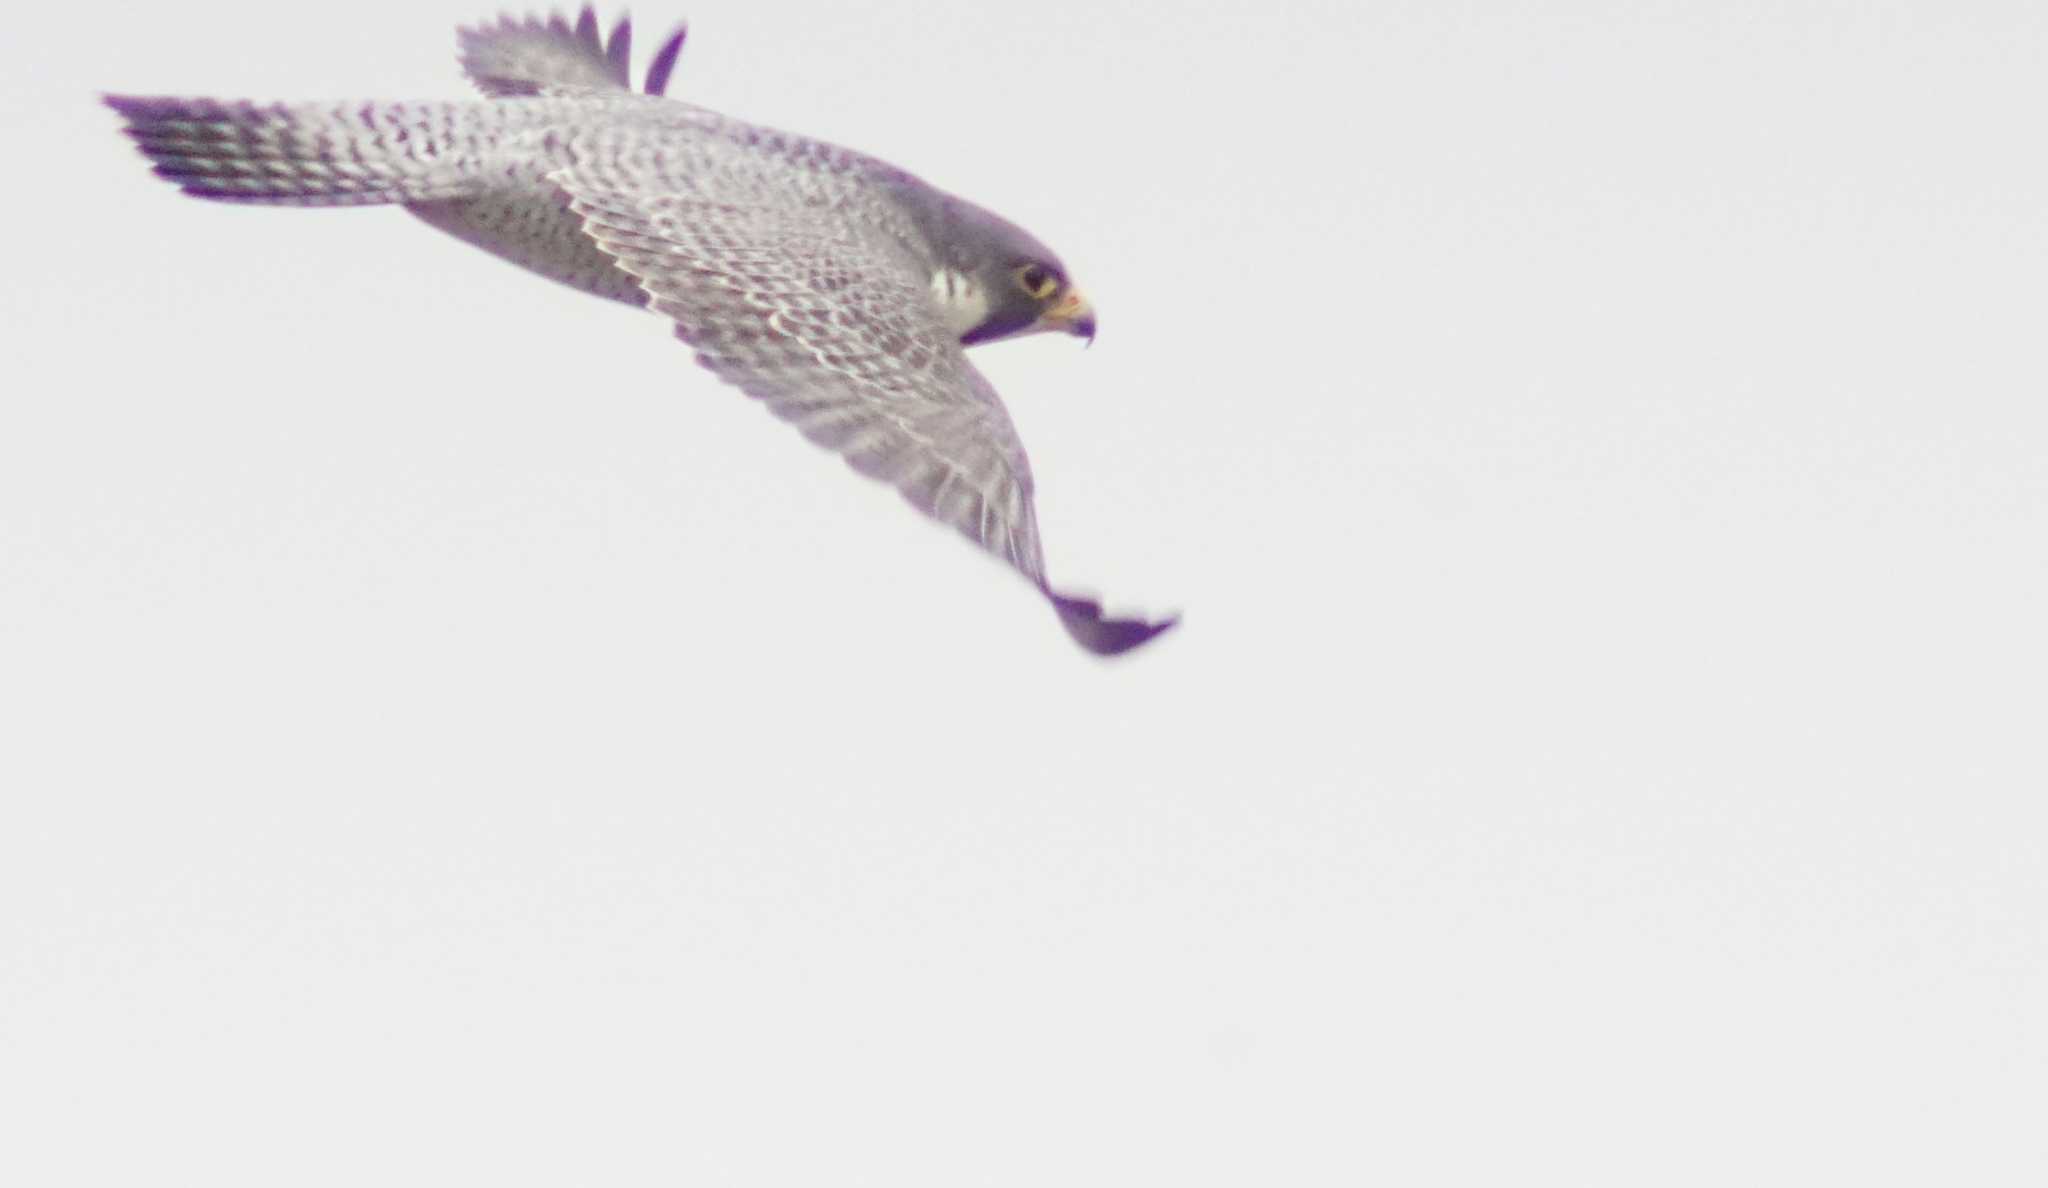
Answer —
802 297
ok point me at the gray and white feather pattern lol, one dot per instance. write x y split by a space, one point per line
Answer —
838 290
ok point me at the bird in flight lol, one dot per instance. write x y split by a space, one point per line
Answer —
837 289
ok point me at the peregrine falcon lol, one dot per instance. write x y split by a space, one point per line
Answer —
837 289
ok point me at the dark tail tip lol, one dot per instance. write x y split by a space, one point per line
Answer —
1084 620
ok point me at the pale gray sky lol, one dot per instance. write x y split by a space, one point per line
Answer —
1599 449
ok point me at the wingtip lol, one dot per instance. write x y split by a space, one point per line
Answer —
522 55
664 62
618 50
1084 620
131 107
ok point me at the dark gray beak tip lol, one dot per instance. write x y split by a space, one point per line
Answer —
1086 329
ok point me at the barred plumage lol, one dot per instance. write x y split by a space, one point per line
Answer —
329 154
800 272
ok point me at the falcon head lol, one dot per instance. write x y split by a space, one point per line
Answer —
995 281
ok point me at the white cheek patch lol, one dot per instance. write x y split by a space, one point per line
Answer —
961 302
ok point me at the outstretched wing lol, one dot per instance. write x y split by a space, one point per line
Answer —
805 297
532 56
823 324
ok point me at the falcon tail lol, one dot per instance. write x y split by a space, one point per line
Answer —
1105 637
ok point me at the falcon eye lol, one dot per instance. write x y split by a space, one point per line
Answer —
1037 280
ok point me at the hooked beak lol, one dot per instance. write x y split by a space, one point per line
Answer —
1071 314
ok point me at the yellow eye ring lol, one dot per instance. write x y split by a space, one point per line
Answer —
1038 281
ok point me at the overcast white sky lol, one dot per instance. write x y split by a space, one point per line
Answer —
1598 447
